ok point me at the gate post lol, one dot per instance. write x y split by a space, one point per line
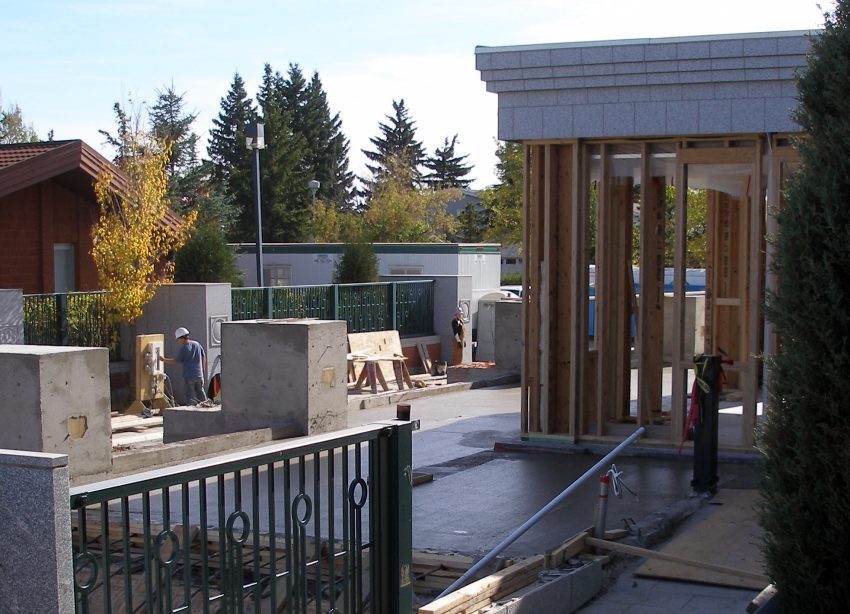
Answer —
392 521
36 559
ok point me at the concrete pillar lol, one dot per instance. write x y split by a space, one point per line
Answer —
11 316
285 374
35 535
509 341
451 291
56 400
201 308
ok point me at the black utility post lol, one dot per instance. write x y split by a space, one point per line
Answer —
707 370
255 139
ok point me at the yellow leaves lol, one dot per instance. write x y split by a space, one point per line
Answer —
136 233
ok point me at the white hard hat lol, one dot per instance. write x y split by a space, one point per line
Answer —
181 332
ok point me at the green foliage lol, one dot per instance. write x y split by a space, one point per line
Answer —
397 151
472 224
695 235
357 264
12 126
806 490
171 125
447 169
504 200
206 257
511 279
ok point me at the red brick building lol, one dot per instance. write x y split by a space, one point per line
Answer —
47 208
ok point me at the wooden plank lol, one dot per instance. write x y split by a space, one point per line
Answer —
578 292
643 552
424 357
526 312
728 534
490 588
604 327
380 343
755 296
532 289
548 288
569 549
680 366
565 283
732 155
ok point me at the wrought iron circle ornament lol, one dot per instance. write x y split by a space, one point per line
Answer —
83 561
160 543
308 509
246 527
352 492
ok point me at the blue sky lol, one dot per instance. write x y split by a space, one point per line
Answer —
66 62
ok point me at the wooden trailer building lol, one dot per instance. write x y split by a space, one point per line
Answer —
641 156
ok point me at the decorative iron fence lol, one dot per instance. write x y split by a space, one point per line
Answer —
407 306
72 319
319 524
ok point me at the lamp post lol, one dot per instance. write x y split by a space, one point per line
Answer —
313 185
255 139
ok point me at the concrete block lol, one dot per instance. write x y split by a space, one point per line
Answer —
778 115
715 116
662 66
761 74
483 60
557 121
542 99
760 46
683 117
37 563
571 97
728 64
56 400
619 119
692 49
597 55
665 92
537 73
528 123
505 130
594 70
600 81
764 89
694 65
587 121
731 90
660 51
568 56
728 76
698 91
793 45
535 57
603 96
650 118
567 71
761 61
629 53
637 79
635 93
748 115
726 48
539 84
557 590
509 100
284 374
506 59
11 316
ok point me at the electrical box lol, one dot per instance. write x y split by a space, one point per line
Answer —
149 380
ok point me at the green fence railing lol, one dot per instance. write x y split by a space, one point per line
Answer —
314 524
406 306
71 319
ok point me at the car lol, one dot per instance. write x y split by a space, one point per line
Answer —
515 290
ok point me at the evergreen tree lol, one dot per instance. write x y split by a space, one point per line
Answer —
357 264
171 125
447 169
231 160
397 141
206 257
327 158
806 491
285 194
472 224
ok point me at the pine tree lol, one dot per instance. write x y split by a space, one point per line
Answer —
328 148
447 169
231 160
504 200
171 125
806 491
397 142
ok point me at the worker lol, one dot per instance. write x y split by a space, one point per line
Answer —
194 360
458 338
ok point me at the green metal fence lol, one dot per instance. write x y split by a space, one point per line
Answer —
72 319
318 524
406 306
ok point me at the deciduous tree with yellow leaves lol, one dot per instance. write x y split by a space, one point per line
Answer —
136 235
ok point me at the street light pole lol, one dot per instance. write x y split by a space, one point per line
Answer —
255 140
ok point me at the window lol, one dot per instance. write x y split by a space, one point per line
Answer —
406 269
64 279
278 275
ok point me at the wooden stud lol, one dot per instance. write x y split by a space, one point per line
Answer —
578 292
755 296
679 366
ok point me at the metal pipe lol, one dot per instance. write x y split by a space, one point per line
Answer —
545 510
